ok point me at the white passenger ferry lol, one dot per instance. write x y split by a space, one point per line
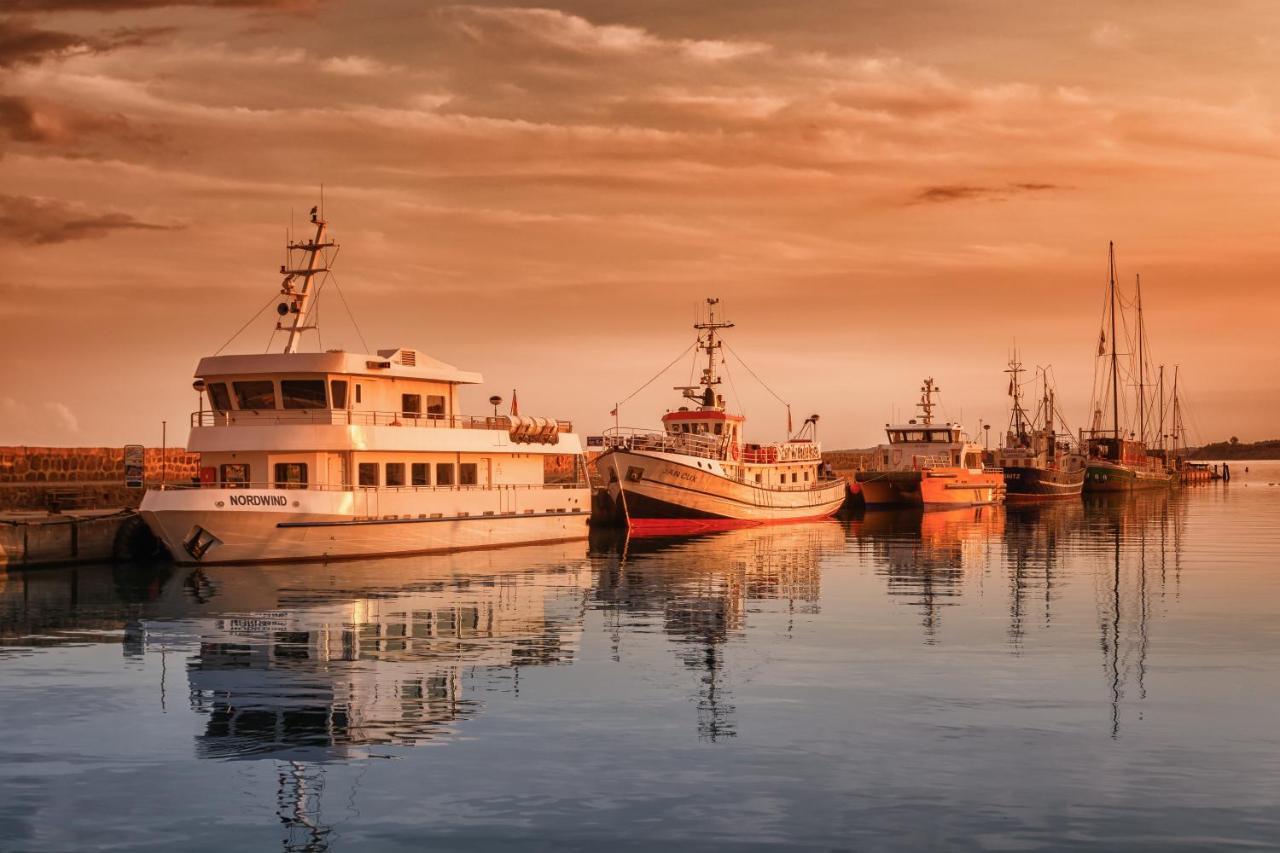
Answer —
329 455
701 474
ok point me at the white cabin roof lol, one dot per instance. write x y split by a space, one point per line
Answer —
403 362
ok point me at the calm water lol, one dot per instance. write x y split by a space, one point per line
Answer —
1081 676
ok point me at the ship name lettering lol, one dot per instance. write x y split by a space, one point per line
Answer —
259 500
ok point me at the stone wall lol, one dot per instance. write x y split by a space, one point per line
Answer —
92 477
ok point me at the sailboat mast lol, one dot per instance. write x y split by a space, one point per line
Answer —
1115 364
1142 368
1161 392
1177 411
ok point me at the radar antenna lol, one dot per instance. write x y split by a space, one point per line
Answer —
704 393
299 297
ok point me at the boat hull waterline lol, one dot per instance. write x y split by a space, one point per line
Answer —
1032 484
934 487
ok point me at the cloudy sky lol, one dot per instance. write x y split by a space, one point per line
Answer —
877 191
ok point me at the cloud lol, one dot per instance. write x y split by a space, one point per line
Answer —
126 5
1110 36
942 193
63 416
25 119
43 221
21 43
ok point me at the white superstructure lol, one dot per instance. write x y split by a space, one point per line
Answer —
315 455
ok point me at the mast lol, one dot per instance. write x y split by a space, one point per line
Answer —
1115 364
927 390
1142 368
1177 411
299 296
1018 419
1161 392
704 393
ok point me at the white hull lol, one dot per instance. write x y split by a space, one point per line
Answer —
671 486
212 526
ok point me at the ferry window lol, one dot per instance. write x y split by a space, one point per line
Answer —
420 473
757 478
895 437
915 435
338 393
291 475
468 474
218 397
357 392
806 476
435 406
794 477
782 478
411 404
368 472
940 435
255 394
395 474
719 429
235 476
444 473
302 393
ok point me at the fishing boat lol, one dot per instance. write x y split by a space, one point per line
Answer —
338 455
1118 457
1038 463
929 465
699 473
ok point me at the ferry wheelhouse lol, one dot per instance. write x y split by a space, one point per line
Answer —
929 465
699 473
329 455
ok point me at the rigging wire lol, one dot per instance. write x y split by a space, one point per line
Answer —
655 376
255 316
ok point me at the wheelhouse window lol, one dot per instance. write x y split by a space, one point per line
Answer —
368 473
420 474
218 396
444 473
291 475
940 435
338 393
302 393
411 405
435 405
255 394
395 474
234 475
468 474
719 429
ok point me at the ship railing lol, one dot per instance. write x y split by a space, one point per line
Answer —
326 487
343 417
931 460
686 444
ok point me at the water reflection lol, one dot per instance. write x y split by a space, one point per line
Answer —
703 587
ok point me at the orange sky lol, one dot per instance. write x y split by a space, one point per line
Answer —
877 191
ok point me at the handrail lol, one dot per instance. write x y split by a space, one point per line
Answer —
354 417
709 446
324 487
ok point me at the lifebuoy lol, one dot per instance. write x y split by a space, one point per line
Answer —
734 451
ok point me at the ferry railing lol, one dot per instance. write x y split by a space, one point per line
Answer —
325 487
344 417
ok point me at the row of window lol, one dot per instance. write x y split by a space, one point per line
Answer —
701 428
309 394
935 435
293 475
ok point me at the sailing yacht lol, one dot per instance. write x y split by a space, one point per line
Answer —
338 455
1118 460
699 473
929 465
1037 463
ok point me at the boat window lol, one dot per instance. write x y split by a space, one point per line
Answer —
468 473
291 475
368 472
395 474
420 474
218 396
719 429
435 405
411 405
302 393
338 393
914 435
971 460
806 476
235 476
357 392
794 477
895 437
444 473
940 435
757 478
255 394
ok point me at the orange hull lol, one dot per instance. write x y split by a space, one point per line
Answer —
932 487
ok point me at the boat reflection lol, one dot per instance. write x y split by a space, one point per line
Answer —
925 555
1037 539
701 589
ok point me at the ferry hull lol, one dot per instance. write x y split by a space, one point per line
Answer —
666 496
322 526
1109 477
934 487
1026 483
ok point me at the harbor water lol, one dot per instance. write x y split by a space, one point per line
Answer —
1090 674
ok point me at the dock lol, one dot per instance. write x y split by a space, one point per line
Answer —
65 538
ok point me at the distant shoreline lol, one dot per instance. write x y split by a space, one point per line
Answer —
1229 451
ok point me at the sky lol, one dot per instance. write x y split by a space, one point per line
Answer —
877 192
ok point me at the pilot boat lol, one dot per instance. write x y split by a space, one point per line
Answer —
1038 463
699 473
929 465
338 455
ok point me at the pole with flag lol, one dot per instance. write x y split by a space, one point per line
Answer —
515 404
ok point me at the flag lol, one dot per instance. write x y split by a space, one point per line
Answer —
614 412
515 404
1102 343
1010 387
